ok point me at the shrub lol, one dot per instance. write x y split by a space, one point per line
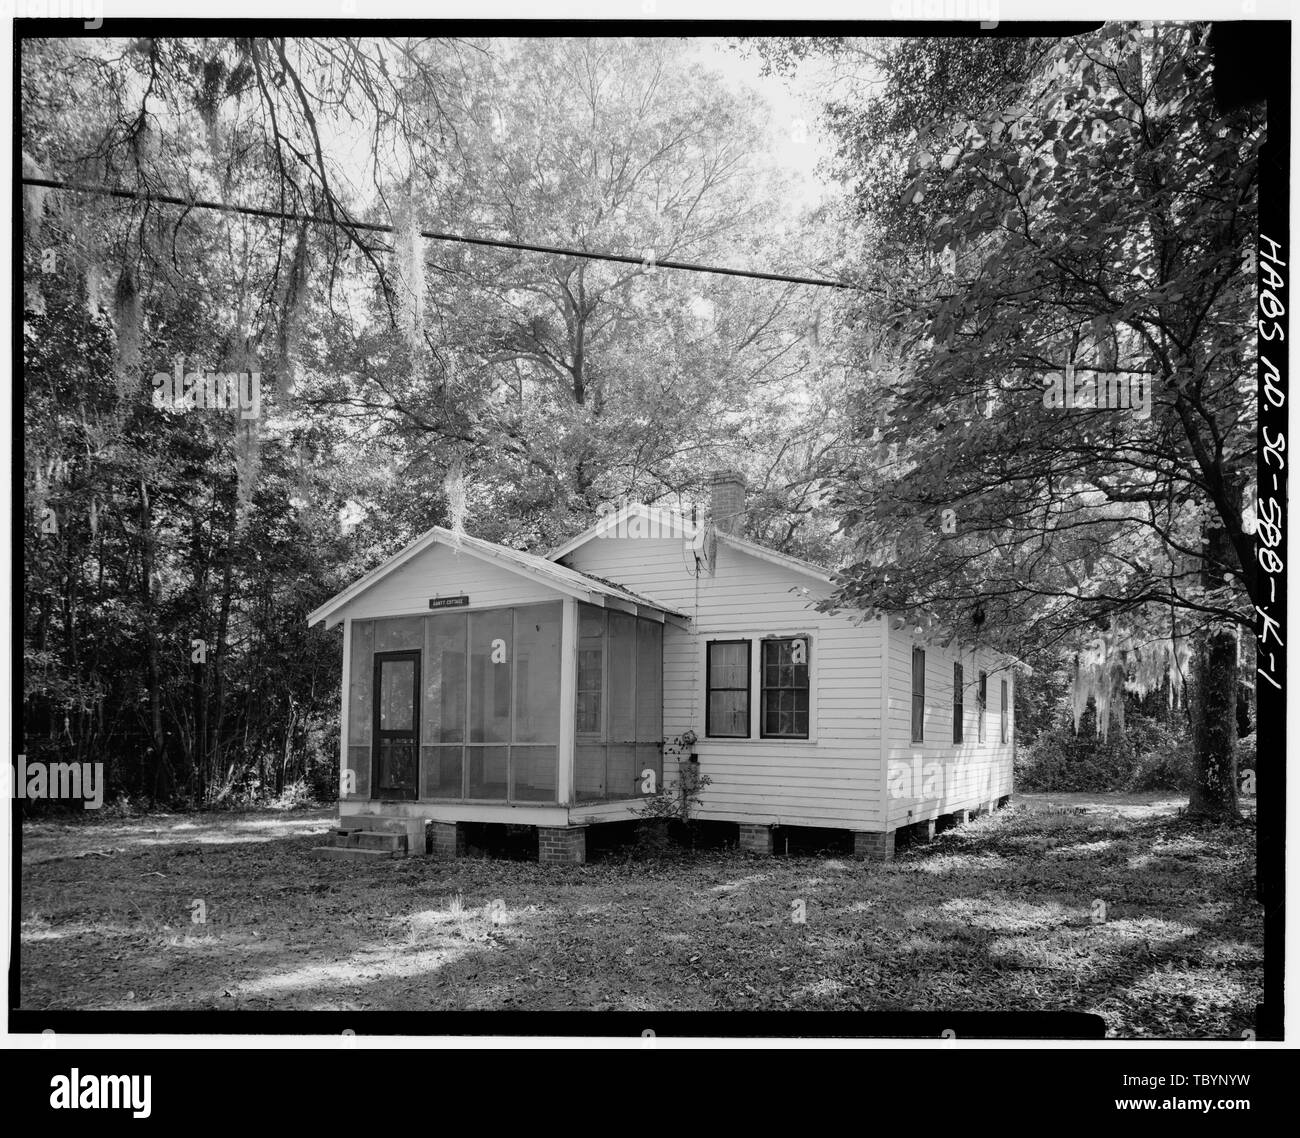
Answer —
1148 754
294 796
653 838
1167 766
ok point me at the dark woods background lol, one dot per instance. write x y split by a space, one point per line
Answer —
170 559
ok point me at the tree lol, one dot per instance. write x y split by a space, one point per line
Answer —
160 546
1104 212
591 380
172 557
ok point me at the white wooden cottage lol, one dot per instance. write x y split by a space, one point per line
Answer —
484 684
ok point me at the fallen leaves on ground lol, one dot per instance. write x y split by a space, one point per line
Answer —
1137 915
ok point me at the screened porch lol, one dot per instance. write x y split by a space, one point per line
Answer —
469 706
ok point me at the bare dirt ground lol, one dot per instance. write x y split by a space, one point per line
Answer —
1111 904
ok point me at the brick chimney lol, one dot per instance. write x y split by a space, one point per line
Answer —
727 501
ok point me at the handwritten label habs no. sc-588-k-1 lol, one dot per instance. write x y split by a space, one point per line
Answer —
1269 512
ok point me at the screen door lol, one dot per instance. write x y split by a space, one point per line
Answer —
397 724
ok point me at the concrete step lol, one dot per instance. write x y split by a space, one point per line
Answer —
356 852
377 840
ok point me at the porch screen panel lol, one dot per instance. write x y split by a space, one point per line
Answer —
619 712
488 768
360 707
621 682
589 712
491 665
650 699
359 682
359 765
537 674
621 778
442 772
532 774
533 769
399 634
589 771
649 757
445 694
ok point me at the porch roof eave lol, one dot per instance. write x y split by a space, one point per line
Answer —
566 581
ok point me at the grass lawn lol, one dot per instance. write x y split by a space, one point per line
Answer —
1001 914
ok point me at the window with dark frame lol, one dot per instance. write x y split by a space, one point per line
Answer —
918 695
982 703
783 691
1004 711
958 707
726 713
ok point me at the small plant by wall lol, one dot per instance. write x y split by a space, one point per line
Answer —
675 801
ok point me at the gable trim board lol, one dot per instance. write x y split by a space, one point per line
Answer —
560 578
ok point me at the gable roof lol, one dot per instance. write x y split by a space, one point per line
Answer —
672 524
571 582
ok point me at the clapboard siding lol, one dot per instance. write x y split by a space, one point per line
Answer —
937 776
833 779
442 570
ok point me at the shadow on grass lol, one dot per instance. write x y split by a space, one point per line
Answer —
984 918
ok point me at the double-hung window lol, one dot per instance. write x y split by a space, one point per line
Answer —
958 705
918 695
783 693
727 708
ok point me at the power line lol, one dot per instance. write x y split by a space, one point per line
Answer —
371 227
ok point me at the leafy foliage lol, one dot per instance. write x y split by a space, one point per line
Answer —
172 557
1092 212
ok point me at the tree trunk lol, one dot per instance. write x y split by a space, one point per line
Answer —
1214 711
162 781
216 657
1214 726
